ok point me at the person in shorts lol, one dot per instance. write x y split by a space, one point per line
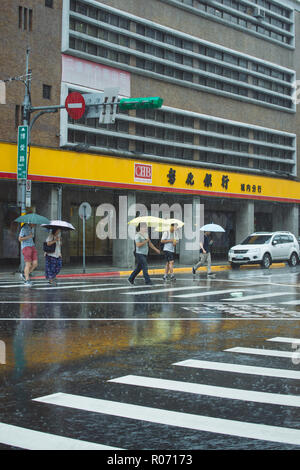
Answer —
29 252
169 239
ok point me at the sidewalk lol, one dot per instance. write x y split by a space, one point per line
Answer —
102 269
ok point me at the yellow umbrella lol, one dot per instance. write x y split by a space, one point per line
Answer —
165 224
147 219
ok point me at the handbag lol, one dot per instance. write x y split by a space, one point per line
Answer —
49 249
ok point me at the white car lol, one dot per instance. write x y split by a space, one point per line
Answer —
265 248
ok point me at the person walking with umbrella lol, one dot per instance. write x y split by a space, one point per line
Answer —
205 247
142 243
52 248
29 251
26 236
169 241
205 254
53 258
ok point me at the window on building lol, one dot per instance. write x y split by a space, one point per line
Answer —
20 17
47 92
49 3
224 65
25 18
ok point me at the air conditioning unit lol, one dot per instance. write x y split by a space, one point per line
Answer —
259 13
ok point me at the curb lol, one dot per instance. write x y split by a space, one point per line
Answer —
155 271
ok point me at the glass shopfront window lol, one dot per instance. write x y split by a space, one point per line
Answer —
9 243
94 247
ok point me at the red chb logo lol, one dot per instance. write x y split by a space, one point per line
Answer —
143 173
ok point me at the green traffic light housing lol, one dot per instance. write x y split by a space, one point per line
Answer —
141 103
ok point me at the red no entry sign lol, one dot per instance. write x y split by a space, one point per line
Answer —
75 105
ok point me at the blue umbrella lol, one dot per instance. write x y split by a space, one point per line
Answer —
32 219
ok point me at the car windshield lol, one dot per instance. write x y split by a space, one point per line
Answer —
256 240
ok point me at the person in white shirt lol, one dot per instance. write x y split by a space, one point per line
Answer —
53 261
169 239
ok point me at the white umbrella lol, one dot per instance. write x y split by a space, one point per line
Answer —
59 224
212 228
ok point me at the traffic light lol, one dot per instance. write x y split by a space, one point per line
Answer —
141 103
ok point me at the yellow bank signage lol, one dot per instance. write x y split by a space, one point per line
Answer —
69 167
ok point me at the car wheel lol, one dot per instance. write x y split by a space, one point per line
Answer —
235 266
266 261
293 261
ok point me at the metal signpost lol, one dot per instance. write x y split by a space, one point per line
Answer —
85 212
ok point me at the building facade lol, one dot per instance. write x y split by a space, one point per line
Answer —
226 136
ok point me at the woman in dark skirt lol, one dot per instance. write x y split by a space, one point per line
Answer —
53 261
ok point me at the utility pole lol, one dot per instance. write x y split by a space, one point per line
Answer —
23 147
24 142
26 122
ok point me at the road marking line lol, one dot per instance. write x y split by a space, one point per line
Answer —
175 418
259 296
36 440
210 390
74 285
114 288
213 292
280 339
241 369
169 289
21 284
291 302
262 352
36 284
208 319
232 281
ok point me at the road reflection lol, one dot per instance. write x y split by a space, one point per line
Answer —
55 333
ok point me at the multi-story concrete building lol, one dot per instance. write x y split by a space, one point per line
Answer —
226 135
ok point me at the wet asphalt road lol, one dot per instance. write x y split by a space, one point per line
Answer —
95 362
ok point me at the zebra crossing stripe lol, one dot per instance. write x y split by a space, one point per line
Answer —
169 289
203 294
38 283
113 288
241 369
262 352
210 390
35 440
21 284
175 418
280 339
74 285
258 296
